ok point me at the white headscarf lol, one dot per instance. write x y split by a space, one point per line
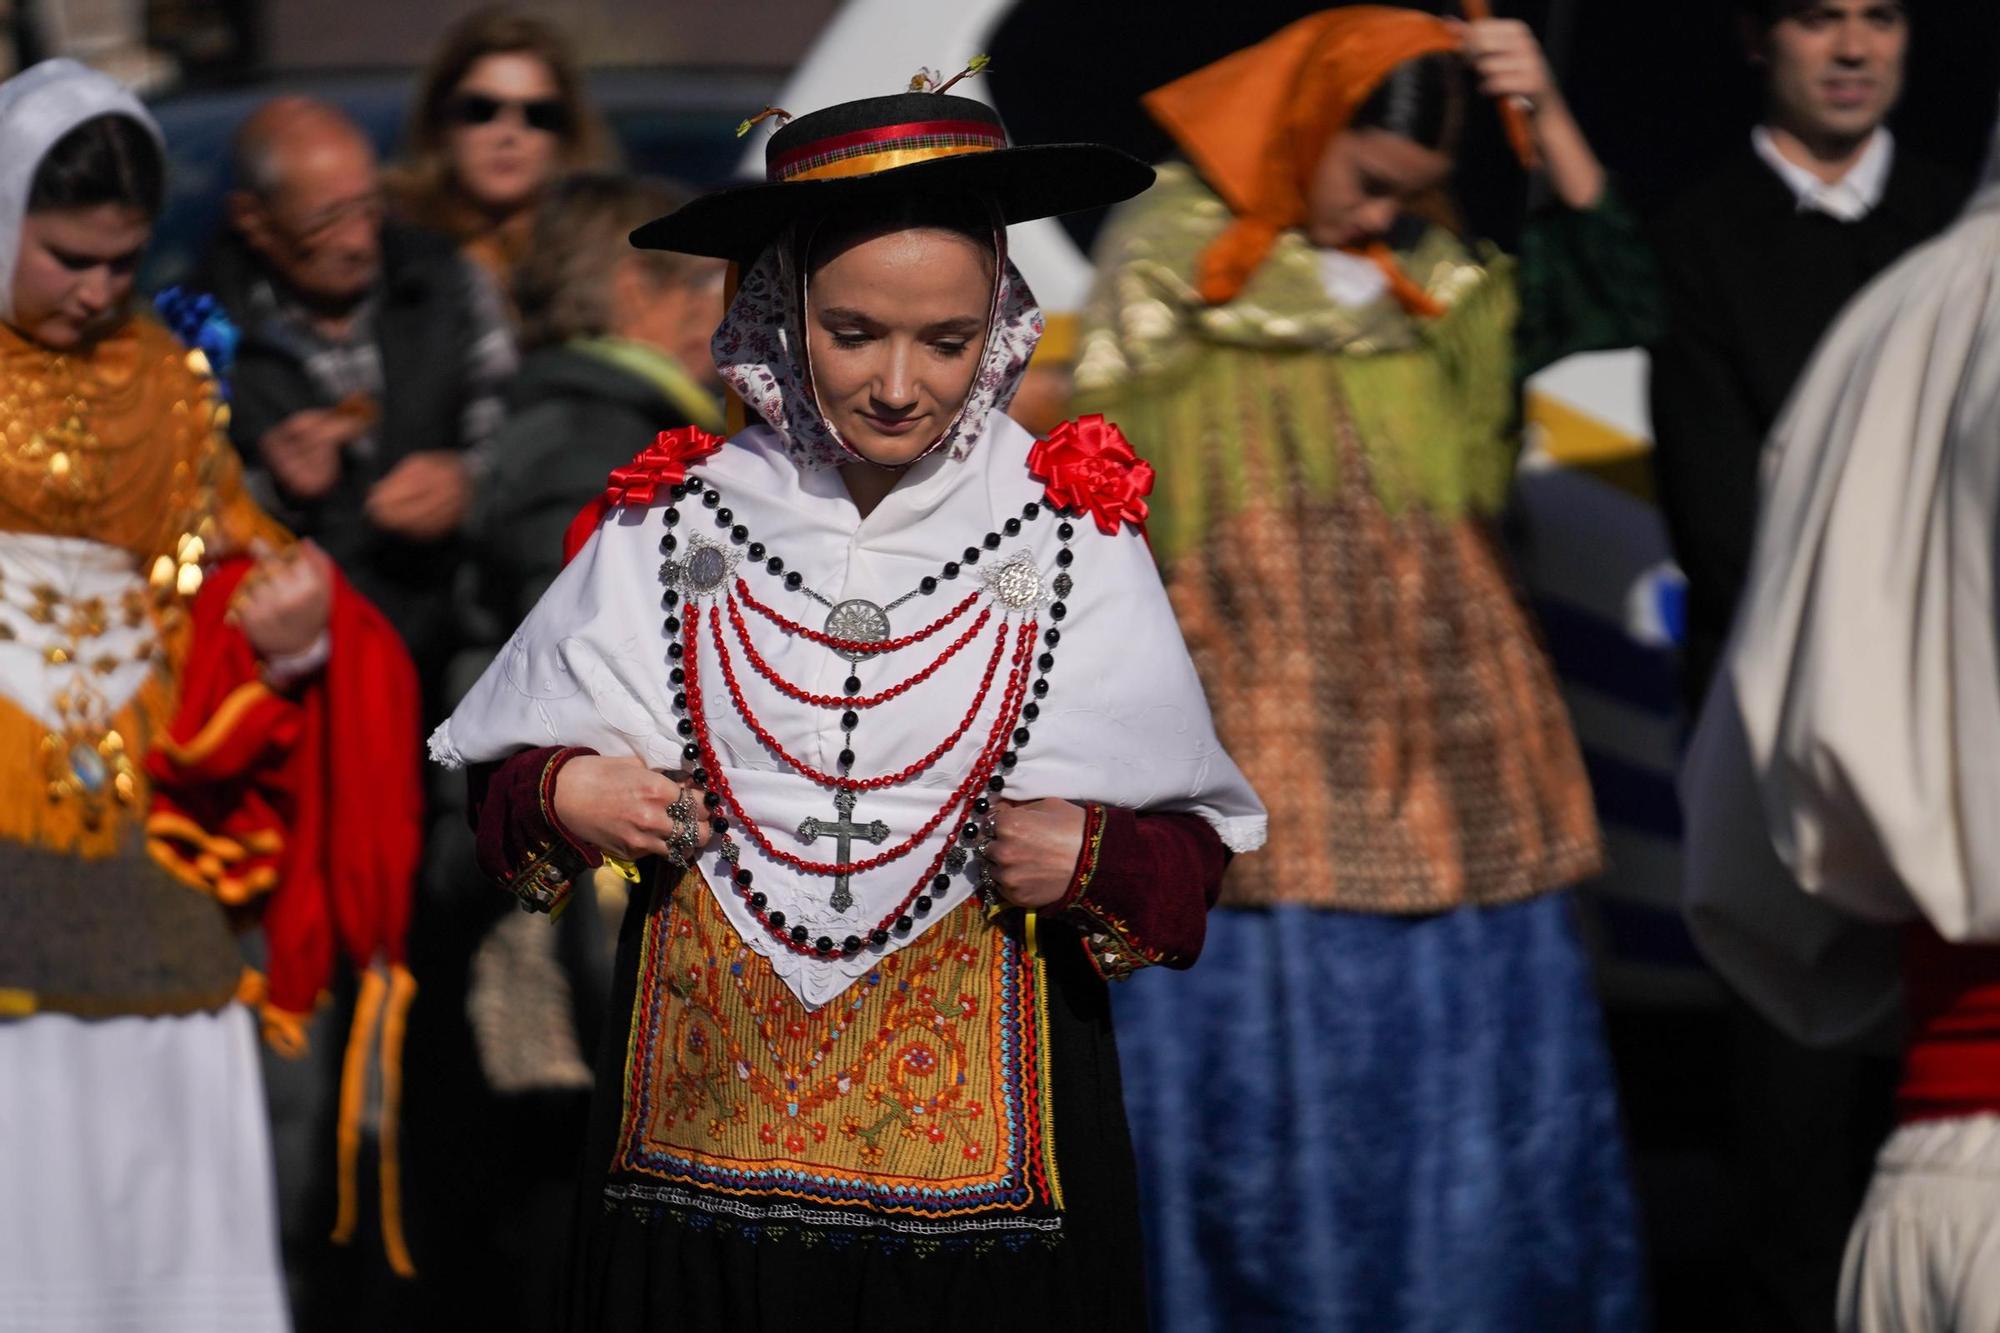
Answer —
37 108
760 351
1847 766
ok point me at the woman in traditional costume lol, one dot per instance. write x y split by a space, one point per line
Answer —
886 698
166 772
133 1152
1383 1101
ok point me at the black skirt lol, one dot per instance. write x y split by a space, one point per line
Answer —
942 1146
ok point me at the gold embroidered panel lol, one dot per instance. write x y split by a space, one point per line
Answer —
916 1101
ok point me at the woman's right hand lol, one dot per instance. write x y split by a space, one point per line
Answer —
620 806
283 604
1509 61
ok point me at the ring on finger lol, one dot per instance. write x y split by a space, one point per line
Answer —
681 842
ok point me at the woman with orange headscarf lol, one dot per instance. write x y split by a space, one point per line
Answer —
1383 1100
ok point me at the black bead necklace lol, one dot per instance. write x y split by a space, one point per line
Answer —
709 572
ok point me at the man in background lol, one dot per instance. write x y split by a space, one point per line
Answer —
368 378
1760 258
1758 261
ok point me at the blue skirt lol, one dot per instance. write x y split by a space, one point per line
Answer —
1377 1124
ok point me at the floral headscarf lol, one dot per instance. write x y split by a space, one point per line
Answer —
760 350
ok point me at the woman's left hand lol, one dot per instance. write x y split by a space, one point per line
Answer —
1509 61
1033 852
1510 65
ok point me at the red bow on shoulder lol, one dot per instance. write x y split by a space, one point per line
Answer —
1089 465
661 464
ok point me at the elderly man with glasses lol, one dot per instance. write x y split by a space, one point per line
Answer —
367 380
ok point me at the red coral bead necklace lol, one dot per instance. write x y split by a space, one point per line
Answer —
858 631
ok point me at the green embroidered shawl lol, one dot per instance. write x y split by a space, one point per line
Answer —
1249 393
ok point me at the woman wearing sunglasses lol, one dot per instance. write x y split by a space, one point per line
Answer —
499 116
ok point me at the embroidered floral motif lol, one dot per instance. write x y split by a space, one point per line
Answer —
1086 860
542 881
917 1095
1114 948
1115 951
543 884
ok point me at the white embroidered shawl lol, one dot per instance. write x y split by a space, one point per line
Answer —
1125 722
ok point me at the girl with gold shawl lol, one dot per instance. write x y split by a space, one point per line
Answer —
134 1155
1383 1100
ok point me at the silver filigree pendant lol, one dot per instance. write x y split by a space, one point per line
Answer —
703 571
859 621
1016 583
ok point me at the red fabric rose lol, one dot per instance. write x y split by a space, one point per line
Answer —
661 464
1089 465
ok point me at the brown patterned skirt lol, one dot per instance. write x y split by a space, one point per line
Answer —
1378 679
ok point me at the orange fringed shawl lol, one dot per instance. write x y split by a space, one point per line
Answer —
1255 124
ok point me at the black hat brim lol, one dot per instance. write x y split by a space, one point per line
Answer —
1024 183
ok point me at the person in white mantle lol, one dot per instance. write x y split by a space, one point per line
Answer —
1843 849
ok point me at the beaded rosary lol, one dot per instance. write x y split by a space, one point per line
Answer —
704 589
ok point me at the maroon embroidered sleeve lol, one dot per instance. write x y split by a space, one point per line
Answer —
520 844
1142 889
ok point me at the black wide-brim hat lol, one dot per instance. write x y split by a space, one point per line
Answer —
929 143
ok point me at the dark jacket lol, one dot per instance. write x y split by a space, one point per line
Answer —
426 319
1752 283
571 418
